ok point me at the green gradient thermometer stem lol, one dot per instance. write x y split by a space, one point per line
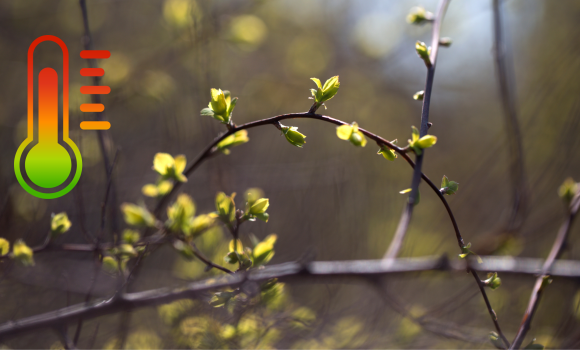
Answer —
48 164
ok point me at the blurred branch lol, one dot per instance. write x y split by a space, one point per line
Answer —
314 272
401 231
96 98
543 280
507 89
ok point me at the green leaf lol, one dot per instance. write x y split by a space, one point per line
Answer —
126 250
218 101
444 182
4 246
293 136
23 253
418 15
317 81
418 96
180 213
110 265
207 112
427 141
225 206
199 224
252 195
169 167
238 138
388 153
59 224
568 190
260 206
493 281
414 134
130 236
330 88
264 251
344 131
495 340
237 247
423 52
231 258
137 215
264 217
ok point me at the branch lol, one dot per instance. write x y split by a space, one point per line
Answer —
508 98
316 272
401 231
547 270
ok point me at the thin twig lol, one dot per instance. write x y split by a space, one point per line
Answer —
541 281
206 261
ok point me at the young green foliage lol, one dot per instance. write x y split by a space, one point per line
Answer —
388 153
496 340
293 136
221 106
130 236
264 251
418 15
568 190
169 167
23 253
418 96
324 92
351 133
59 224
4 246
110 265
233 140
448 187
465 252
200 224
180 214
137 215
157 190
493 281
418 144
423 52
225 207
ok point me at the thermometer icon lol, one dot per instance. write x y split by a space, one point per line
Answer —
48 164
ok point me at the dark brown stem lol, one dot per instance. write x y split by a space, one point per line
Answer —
541 281
208 262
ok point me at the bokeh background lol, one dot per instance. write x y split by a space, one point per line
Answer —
329 200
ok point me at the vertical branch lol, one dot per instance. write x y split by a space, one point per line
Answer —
401 231
507 89
542 280
95 98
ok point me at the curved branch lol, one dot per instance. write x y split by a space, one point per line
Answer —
541 281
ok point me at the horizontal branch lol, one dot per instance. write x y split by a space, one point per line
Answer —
322 271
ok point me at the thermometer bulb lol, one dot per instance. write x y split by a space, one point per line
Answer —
48 164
